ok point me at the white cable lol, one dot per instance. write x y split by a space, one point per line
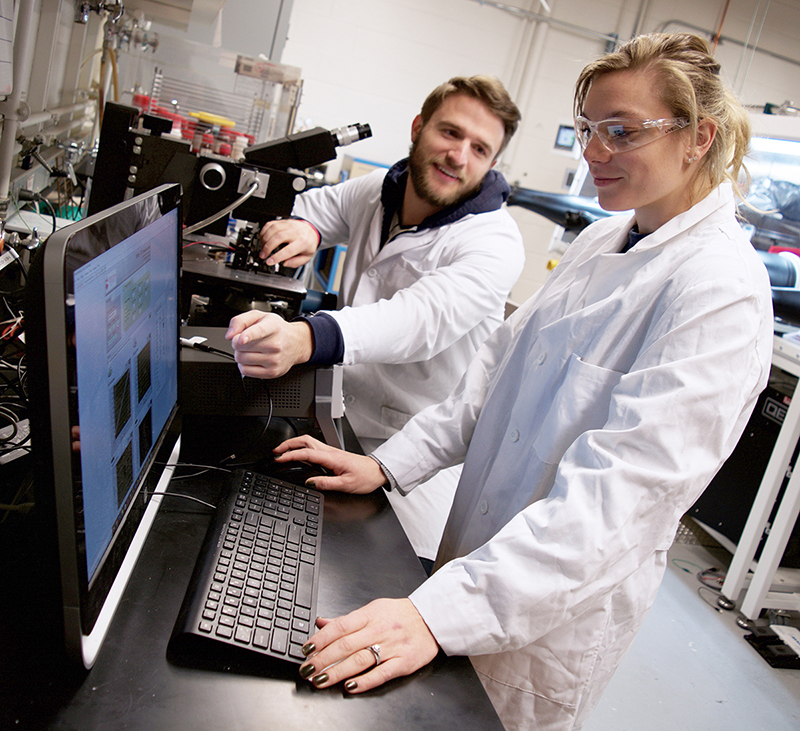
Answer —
201 224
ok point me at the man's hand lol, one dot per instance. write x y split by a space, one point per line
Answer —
340 650
290 242
266 346
351 472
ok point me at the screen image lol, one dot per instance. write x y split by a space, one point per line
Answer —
125 330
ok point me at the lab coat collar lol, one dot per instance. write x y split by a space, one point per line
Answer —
717 206
493 193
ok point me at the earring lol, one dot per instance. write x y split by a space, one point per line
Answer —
693 158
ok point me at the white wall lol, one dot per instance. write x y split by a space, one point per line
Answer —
246 27
374 61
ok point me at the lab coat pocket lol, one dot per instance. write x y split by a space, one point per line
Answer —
393 419
579 404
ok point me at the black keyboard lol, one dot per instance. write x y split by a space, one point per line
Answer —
255 582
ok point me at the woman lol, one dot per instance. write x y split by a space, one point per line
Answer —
591 420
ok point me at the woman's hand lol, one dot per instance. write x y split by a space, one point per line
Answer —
401 642
352 472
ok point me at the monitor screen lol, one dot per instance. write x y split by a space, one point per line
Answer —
103 320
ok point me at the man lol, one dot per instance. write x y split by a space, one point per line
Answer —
431 258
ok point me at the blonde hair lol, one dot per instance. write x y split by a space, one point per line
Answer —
691 87
485 89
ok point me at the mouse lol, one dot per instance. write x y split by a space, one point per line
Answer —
295 472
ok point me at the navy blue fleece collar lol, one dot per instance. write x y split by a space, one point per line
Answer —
493 193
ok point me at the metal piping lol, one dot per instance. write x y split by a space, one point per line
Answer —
725 39
519 12
644 8
48 115
12 108
530 14
754 46
525 91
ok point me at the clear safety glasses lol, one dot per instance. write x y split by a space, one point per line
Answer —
621 135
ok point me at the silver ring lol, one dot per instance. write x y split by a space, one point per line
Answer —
376 653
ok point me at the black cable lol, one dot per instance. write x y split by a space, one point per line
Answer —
29 196
22 380
19 290
52 212
12 422
16 314
206 467
7 444
22 268
177 478
203 469
7 410
16 448
713 578
227 460
186 343
716 594
8 384
256 440
185 497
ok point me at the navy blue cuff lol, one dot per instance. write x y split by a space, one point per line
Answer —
328 340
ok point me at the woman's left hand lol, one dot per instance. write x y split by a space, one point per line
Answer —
341 649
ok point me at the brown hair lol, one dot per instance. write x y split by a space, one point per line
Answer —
485 89
691 87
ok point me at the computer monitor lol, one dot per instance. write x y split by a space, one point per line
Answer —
103 363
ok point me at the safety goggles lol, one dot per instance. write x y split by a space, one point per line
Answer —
621 135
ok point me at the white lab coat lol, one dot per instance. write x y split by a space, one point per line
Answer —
590 422
412 316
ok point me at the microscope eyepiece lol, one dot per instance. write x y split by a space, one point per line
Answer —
352 133
303 150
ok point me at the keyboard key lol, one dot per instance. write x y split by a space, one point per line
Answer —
305 585
300 625
280 641
243 634
261 638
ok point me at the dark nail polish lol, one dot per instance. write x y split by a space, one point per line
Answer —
320 679
350 685
307 670
308 648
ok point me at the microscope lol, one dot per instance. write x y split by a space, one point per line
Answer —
135 153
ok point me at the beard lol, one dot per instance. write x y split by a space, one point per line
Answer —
417 173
